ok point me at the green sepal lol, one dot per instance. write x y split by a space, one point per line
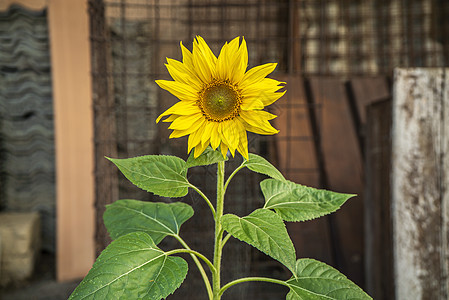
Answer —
295 202
264 230
157 219
208 157
162 175
132 267
317 281
260 165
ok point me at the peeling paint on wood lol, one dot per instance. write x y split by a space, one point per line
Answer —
420 172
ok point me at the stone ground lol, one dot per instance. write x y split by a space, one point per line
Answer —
42 286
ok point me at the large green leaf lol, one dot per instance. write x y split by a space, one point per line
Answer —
159 174
259 164
266 231
208 157
156 219
317 281
132 267
295 202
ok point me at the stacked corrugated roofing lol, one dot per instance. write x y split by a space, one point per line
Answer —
26 117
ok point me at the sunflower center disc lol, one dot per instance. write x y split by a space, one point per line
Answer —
220 102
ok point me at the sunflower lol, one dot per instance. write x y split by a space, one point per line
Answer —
219 100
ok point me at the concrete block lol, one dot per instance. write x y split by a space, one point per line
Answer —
19 246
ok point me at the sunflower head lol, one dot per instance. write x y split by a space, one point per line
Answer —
219 100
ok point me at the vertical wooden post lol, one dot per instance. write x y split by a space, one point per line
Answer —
72 98
420 182
106 179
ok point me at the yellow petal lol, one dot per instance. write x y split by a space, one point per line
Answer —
222 63
204 60
215 136
187 57
208 128
252 103
231 134
222 128
184 122
181 133
241 62
179 72
208 54
195 138
237 60
170 118
232 50
256 74
257 121
224 150
178 133
165 113
198 133
269 99
182 108
244 59
179 90
199 149
257 115
267 95
242 147
266 85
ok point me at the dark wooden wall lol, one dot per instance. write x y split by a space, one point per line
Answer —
323 122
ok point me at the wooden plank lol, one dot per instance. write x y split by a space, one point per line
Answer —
367 90
420 182
296 158
372 95
70 61
378 225
343 170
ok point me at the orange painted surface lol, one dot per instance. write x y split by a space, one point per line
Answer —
72 98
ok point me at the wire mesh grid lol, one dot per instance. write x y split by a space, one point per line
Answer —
132 38
345 37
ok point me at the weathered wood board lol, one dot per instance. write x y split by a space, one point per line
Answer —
343 168
420 182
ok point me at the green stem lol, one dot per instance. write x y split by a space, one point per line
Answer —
218 231
204 197
204 258
248 279
233 174
226 238
200 267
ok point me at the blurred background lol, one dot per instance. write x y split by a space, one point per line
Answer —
338 59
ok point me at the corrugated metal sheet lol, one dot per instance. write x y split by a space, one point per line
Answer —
27 163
